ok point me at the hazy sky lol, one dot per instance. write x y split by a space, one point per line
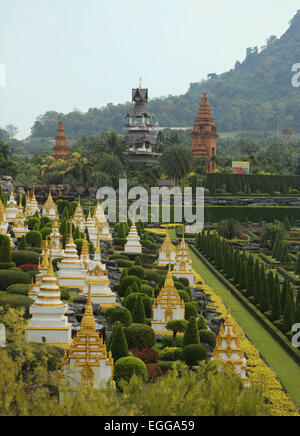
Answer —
66 54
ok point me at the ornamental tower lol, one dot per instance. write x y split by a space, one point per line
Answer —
20 229
102 223
133 244
43 269
167 307
167 252
204 136
33 203
55 237
183 262
50 208
49 323
228 349
12 208
60 150
98 283
87 361
90 225
3 221
79 218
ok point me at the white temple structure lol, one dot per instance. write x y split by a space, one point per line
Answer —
183 262
87 361
12 208
48 323
42 272
33 203
90 225
49 209
133 244
167 252
55 237
102 223
228 349
3 220
20 228
79 218
168 306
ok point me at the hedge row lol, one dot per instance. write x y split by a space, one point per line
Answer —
262 319
290 277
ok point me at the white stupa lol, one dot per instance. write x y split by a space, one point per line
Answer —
28 211
102 223
33 203
48 323
183 262
71 272
12 208
133 244
20 229
55 237
79 218
43 270
90 225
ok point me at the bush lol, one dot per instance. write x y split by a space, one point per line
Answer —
138 312
8 277
208 337
117 343
28 267
152 276
202 323
147 355
184 296
123 263
34 239
170 354
193 354
190 310
120 241
167 341
25 257
179 286
147 290
139 336
130 301
126 282
191 335
16 301
119 314
154 371
184 281
178 354
118 256
137 271
32 221
20 289
46 231
126 367
7 265
65 293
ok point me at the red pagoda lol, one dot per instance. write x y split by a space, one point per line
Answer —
60 150
204 136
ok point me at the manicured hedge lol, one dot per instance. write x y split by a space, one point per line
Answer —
130 301
254 214
126 282
139 336
126 367
25 257
208 337
193 354
21 289
119 314
8 277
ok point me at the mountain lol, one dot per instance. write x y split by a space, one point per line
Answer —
256 95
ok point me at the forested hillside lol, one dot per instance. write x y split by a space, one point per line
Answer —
254 96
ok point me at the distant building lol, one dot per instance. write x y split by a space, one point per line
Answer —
60 150
139 138
204 135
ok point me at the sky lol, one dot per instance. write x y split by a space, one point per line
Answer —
66 54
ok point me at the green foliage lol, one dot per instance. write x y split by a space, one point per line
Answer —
126 282
202 323
21 289
121 314
138 313
208 337
21 257
22 244
176 162
184 296
65 293
5 250
34 239
118 344
139 336
193 354
228 228
10 277
130 302
32 221
191 310
191 335
126 367
137 271
147 290
16 301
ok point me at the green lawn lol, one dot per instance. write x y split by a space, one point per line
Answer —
284 366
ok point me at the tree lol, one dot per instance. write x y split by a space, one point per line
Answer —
176 326
273 232
118 344
176 162
5 250
138 313
229 228
288 315
191 335
22 244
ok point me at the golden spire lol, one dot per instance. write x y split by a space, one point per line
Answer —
50 268
33 193
228 320
169 283
39 264
85 247
71 241
89 215
88 323
98 250
45 262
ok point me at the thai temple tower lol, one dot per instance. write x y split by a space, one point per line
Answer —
20 229
60 150
167 252
85 254
71 272
183 262
55 237
102 223
33 203
49 208
228 349
204 136
12 208
79 218
90 225
168 306
49 323
43 270
28 211
133 244
87 361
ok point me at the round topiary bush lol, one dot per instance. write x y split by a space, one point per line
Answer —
208 337
193 354
139 336
126 282
21 257
167 341
179 286
184 281
126 367
123 263
9 277
20 289
138 271
130 301
168 354
119 314
34 239
147 290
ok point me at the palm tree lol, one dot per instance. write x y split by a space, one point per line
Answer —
176 162
273 232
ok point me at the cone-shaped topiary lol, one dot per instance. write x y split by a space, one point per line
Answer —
276 306
22 244
202 323
138 313
5 250
288 315
118 344
191 335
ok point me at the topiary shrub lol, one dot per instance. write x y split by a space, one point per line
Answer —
118 256
184 281
126 367
202 323
32 221
154 371
152 276
8 277
168 354
34 239
138 312
147 355
147 290
123 263
117 342
25 257
208 337
193 354
130 301
167 341
178 354
179 286
120 242
138 271
121 314
20 289
16 301
127 281
139 336
191 335
46 231
184 296
190 310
